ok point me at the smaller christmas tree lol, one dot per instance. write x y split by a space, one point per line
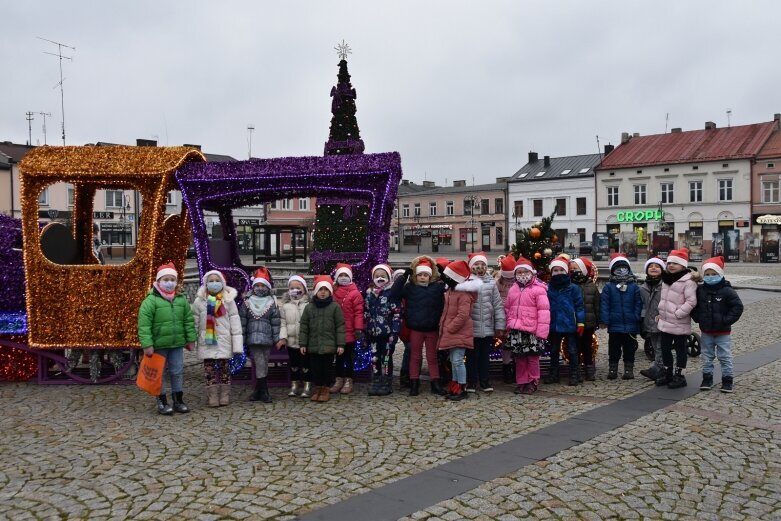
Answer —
538 244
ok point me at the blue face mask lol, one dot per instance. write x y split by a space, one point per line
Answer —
214 287
712 279
168 285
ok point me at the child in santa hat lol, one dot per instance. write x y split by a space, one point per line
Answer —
260 322
566 319
424 302
488 321
218 324
349 298
505 279
528 322
456 327
621 308
322 335
651 294
404 382
292 307
166 327
582 273
382 317
718 307
678 300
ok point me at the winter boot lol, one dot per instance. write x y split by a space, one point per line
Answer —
225 394
462 394
316 394
337 386
347 388
573 378
163 407
255 396
179 405
387 385
212 395
612 370
414 387
436 387
726 384
294 388
591 373
486 387
520 389
264 395
678 380
325 394
652 373
629 371
404 380
307 392
507 373
665 376
553 376
707 382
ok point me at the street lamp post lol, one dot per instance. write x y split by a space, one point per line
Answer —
417 230
123 218
469 202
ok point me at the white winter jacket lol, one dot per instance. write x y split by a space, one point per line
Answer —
228 327
290 312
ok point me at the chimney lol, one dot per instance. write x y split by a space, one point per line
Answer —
405 182
776 117
532 157
196 147
608 149
429 184
624 137
146 142
636 134
546 161
502 179
676 130
710 125
459 183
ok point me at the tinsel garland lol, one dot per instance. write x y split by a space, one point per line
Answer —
16 365
11 267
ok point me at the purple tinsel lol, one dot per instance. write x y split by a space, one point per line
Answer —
368 179
11 265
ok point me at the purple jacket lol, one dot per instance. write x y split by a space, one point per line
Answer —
528 309
676 305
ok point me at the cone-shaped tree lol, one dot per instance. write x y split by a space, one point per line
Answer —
538 243
344 136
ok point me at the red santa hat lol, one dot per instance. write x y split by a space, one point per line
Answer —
477 257
168 268
343 269
714 263
561 262
507 265
397 273
262 276
458 271
424 266
383 267
584 265
214 272
323 281
524 264
297 278
442 263
679 257
615 258
654 260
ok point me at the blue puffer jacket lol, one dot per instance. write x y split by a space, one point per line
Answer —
620 310
566 307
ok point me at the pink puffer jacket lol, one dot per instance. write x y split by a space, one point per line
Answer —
455 327
528 309
676 305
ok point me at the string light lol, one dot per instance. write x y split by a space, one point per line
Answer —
12 273
16 365
362 355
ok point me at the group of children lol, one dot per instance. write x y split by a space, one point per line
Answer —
441 307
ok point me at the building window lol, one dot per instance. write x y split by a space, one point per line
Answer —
113 198
273 205
582 233
561 207
538 208
484 209
695 191
518 209
498 205
725 189
770 192
405 210
449 208
170 199
303 203
468 206
640 194
667 193
286 204
581 205
499 236
432 209
70 196
396 212
43 198
417 209
612 196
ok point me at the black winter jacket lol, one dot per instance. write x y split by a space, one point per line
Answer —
591 303
718 307
424 303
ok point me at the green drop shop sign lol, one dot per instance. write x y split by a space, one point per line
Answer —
629 216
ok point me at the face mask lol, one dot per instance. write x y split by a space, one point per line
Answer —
621 271
261 291
343 281
295 293
168 285
214 287
523 277
380 281
712 279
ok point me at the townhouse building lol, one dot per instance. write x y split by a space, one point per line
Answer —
766 202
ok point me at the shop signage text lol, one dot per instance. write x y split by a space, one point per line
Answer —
639 215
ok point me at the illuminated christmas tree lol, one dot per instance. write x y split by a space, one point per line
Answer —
538 243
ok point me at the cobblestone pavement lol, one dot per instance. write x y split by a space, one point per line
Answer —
101 452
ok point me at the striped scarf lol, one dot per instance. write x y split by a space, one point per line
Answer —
214 309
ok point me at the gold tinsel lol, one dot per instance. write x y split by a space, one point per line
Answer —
92 305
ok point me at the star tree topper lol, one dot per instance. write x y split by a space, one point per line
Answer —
343 49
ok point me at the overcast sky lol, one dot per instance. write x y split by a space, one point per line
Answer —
462 90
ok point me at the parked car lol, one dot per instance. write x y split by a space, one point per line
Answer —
585 248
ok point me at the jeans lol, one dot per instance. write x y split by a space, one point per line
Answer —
555 339
478 361
618 342
679 342
716 346
656 343
457 362
174 368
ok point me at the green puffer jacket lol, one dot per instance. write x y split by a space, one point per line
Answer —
321 329
165 324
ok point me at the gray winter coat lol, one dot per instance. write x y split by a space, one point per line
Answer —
488 309
260 330
651 296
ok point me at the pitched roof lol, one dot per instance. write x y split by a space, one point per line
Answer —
219 158
772 147
411 188
458 189
741 142
15 151
560 168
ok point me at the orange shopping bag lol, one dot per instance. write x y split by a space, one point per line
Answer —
150 374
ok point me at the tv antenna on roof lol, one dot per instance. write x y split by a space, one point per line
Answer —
729 117
62 93
45 115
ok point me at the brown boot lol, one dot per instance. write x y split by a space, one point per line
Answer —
348 386
325 395
225 393
213 395
337 386
316 394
